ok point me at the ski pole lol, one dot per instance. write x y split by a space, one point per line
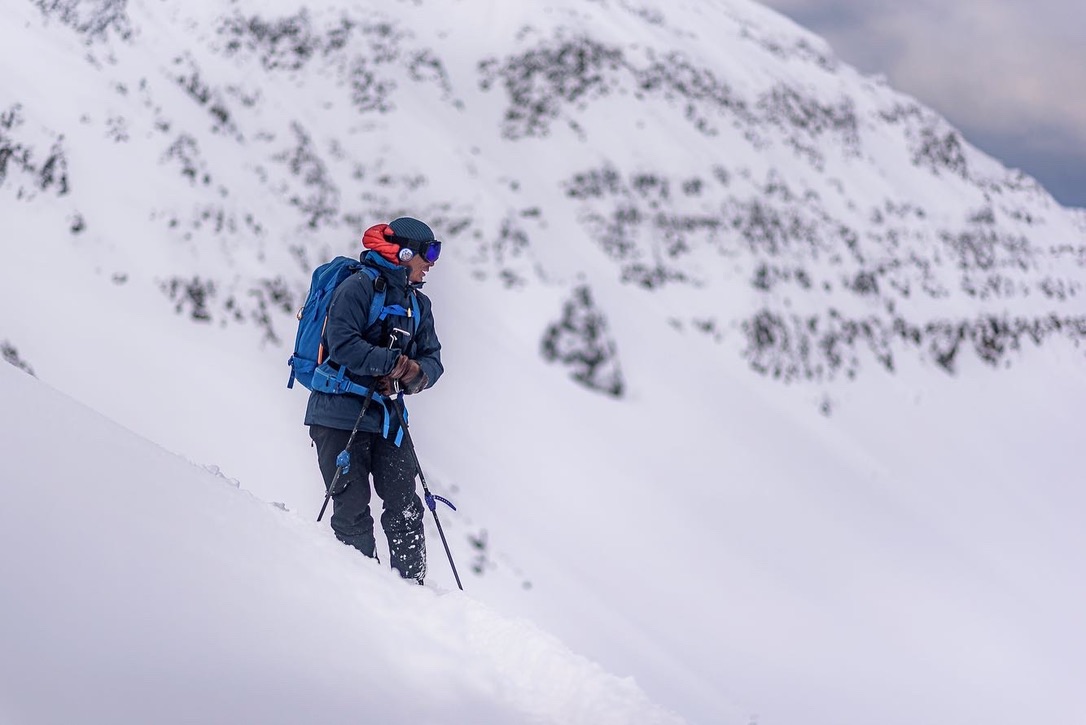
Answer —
431 499
343 460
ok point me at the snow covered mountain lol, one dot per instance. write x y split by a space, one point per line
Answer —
764 386
808 217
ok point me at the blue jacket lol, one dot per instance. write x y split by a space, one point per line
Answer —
364 350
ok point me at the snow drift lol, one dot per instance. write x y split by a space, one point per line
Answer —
139 587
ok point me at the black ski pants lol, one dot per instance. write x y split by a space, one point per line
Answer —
393 471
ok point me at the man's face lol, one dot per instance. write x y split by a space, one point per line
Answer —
417 267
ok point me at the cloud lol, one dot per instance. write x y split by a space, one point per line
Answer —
994 64
997 69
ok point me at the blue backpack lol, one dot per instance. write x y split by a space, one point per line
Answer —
308 364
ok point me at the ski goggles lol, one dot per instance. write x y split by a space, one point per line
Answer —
429 251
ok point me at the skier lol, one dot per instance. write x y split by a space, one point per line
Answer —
399 352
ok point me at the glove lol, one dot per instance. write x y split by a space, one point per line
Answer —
419 383
399 368
407 372
413 373
385 385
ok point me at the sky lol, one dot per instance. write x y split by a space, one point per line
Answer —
1010 74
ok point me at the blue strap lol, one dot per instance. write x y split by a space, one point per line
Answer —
432 497
417 311
397 310
378 303
335 382
379 310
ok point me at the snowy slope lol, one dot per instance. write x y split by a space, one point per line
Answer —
838 482
141 588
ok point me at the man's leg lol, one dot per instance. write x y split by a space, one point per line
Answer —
394 479
351 518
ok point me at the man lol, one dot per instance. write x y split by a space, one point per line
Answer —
400 352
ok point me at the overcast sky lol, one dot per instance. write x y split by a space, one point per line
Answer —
1011 74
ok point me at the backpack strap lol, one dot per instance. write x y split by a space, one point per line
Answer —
333 381
377 306
379 311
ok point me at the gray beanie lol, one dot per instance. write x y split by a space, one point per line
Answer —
407 228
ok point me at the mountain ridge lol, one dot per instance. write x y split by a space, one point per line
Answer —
792 231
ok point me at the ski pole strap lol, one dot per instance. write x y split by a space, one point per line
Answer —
432 497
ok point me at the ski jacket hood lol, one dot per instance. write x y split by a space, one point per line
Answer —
375 239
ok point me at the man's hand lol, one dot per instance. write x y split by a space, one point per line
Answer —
400 367
420 382
407 372
385 385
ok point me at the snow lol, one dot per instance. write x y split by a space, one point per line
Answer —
711 545
138 587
